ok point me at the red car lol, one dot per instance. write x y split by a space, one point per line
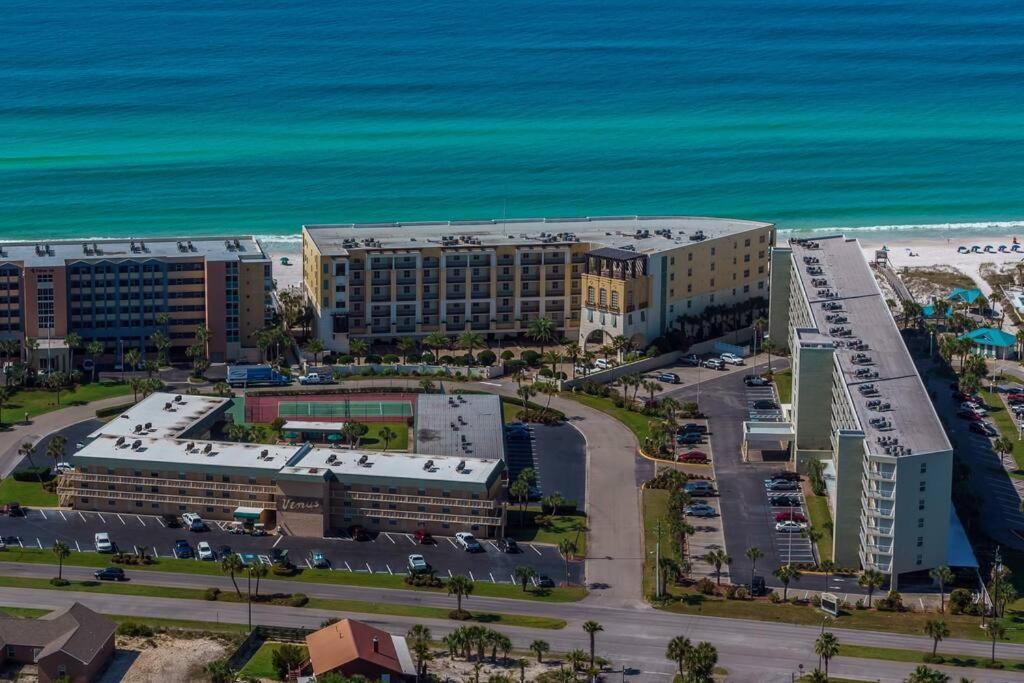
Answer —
1015 397
790 516
968 415
969 398
693 456
423 537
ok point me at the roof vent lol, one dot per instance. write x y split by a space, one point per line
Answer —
178 399
461 467
120 441
363 459
136 445
207 448
265 453
138 428
190 446
428 465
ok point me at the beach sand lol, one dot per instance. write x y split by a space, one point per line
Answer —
286 276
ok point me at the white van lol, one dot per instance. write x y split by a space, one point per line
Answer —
103 544
193 522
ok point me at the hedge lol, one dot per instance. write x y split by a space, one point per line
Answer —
33 474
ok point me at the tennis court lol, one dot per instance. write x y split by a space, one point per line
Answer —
344 409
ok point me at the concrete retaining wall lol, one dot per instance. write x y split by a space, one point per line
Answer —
612 374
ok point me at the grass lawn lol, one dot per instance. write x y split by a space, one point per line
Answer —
29 493
784 385
510 410
260 665
129 588
638 423
655 507
490 590
916 657
39 401
572 527
1004 423
820 518
373 441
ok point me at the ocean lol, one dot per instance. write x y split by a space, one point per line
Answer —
147 118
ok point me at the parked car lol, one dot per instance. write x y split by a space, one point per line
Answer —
279 556
183 549
468 542
758 587
171 521
110 574
789 527
602 364
731 359
418 565
1013 396
545 581
791 516
968 415
696 457
690 359
358 533
62 468
973 407
785 474
14 510
223 550
668 378
700 510
581 370
765 404
691 427
699 488
204 551
781 485
983 428
423 537
689 439
508 545
784 501
318 560
193 522
103 544
715 364
517 431
755 381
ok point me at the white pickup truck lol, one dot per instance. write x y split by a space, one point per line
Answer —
316 378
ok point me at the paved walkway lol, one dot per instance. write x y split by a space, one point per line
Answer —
47 423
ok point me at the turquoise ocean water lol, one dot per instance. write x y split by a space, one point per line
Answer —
150 118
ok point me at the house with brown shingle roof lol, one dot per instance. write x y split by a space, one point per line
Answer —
72 643
351 647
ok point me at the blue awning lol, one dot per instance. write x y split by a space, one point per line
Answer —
960 553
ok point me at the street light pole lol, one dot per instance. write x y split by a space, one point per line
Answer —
249 600
657 563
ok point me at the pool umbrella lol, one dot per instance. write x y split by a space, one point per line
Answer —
291 435
334 437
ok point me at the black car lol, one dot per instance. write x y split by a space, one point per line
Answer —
758 587
785 475
689 438
765 404
668 377
110 574
171 521
358 533
508 545
692 428
223 551
545 581
784 501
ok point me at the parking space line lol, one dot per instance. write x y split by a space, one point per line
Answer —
279 539
534 549
369 568
140 520
40 543
448 538
411 539
61 512
471 577
78 547
347 566
308 564
389 537
102 518
161 522
20 542
156 553
491 543
122 520
513 577
449 573
492 578
389 569
43 514
82 516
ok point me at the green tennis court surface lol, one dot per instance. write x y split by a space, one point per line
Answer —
344 409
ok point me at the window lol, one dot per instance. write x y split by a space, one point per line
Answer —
924 467
920 559
920 504
921 487
920 522
10 650
920 541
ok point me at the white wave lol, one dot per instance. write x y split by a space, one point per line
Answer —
938 227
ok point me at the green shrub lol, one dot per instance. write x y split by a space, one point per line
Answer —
530 357
211 594
486 357
706 586
286 657
960 600
134 629
59 582
298 600
391 358
372 359
33 474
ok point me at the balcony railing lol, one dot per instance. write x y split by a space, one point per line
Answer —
67 494
170 483
408 499
413 515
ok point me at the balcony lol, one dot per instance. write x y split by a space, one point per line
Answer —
486 294
871 543
411 280
874 509
413 515
83 477
879 493
68 493
874 473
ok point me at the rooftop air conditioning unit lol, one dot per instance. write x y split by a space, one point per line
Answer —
265 453
428 465
207 448
136 445
363 459
461 466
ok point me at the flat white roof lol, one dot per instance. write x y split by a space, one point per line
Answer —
167 416
348 464
300 426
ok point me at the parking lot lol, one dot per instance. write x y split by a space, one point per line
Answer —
790 547
386 553
758 409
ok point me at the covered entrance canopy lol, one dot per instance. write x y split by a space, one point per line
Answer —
313 431
767 440
248 513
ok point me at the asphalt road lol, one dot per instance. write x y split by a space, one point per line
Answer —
560 456
633 638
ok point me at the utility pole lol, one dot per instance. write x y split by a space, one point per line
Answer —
249 600
657 563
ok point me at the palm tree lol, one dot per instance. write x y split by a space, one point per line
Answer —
678 651
257 570
471 340
73 340
27 450
817 676
132 358
701 663
460 586
436 341
220 671
942 575
592 628
539 647
826 647
827 567
418 637
753 554
923 674
936 629
5 397
542 331
315 346
785 574
524 574
995 631
406 345
525 392
61 551
357 348
162 342
520 491
768 346
427 385
203 336
572 352
575 659
567 548
717 558
871 579
388 434
93 349
552 358
231 564
55 449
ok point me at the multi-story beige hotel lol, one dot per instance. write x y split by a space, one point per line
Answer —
158 458
859 405
595 278
117 292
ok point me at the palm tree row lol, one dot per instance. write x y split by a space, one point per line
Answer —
696 662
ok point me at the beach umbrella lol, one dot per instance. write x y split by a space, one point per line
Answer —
333 438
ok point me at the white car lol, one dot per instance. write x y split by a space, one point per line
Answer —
468 542
974 408
714 364
193 522
602 364
63 468
103 544
790 527
731 359
418 565
205 551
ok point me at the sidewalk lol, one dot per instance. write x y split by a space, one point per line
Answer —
42 425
